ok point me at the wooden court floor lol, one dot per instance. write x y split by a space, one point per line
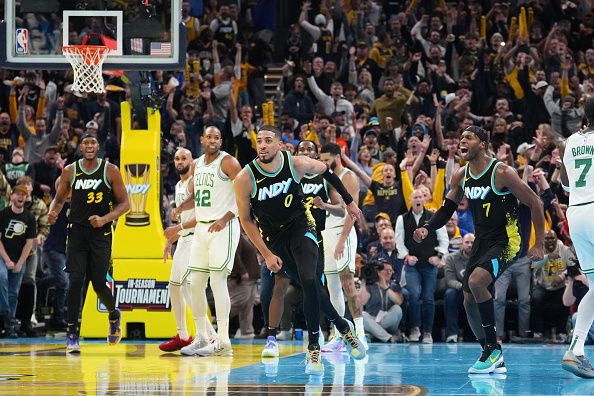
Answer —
41 367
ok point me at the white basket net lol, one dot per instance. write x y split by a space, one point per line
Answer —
87 63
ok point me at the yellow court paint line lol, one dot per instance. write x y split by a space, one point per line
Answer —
45 369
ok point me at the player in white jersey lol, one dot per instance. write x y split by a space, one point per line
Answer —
577 177
215 240
340 248
178 287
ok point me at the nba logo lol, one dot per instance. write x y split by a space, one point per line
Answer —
22 41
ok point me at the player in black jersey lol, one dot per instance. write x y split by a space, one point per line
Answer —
96 186
492 189
285 234
316 196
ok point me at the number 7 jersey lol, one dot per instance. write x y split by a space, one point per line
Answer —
213 190
578 157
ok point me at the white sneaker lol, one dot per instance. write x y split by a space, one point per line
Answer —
427 338
194 347
284 335
415 335
452 338
271 348
215 348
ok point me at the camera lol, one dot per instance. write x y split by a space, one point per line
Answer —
369 271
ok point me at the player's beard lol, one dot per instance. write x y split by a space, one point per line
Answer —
333 165
266 160
183 170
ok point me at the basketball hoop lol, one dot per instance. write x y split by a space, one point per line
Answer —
87 63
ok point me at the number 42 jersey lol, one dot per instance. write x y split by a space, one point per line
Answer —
213 190
578 157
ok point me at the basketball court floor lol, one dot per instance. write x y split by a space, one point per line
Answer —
41 367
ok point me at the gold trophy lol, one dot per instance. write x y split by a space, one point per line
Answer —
137 186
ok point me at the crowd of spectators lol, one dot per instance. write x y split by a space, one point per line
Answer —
393 84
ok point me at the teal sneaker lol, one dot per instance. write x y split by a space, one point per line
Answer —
491 359
354 345
578 365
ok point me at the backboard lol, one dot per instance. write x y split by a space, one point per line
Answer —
141 34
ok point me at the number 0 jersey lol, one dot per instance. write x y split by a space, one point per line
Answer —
579 153
495 213
213 190
277 198
91 193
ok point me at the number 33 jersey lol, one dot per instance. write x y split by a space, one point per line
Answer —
579 153
91 193
277 198
213 190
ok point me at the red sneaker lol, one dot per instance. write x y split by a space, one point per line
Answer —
175 344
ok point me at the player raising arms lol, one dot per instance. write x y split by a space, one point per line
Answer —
492 189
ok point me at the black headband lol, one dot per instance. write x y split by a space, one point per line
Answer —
482 134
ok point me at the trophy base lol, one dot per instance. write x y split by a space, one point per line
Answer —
138 220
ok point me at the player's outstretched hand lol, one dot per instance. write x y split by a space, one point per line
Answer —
420 234
273 263
536 253
354 211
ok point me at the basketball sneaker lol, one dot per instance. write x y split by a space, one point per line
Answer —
215 348
72 345
578 365
491 358
313 362
271 348
335 344
115 332
193 348
352 342
175 344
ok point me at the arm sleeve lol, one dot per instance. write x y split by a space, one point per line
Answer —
442 216
331 178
